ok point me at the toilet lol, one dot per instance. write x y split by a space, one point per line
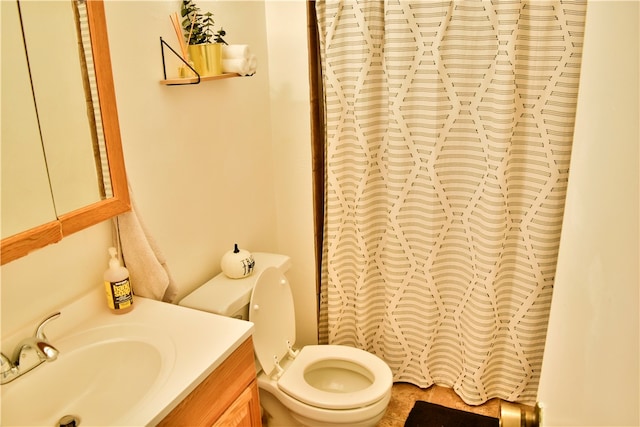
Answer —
317 385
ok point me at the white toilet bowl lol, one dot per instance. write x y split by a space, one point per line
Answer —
316 386
319 385
327 385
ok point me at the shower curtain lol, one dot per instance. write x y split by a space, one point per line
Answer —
448 132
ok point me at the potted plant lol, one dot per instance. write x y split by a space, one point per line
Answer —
204 45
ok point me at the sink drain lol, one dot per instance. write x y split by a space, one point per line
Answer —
69 421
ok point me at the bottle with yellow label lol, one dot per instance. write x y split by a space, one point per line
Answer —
117 285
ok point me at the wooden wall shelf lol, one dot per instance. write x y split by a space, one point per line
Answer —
176 81
194 80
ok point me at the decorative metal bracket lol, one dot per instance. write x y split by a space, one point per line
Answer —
164 67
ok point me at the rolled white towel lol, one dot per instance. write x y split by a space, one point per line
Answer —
235 51
235 65
253 65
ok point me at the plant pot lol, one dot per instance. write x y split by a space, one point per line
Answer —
206 58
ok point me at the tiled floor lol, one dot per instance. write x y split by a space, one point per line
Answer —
404 395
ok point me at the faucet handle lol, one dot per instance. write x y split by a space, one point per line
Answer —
7 369
40 330
5 364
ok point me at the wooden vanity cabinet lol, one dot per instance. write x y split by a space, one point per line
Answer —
228 397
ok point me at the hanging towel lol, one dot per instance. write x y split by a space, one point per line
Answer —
147 266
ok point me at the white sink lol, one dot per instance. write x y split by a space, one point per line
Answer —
129 369
96 370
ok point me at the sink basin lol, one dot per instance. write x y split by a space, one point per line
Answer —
97 370
118 370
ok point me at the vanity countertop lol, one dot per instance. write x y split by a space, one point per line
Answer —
194 343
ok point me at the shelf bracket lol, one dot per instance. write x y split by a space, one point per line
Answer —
164 67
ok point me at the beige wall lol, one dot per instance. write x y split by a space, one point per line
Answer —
291 130
590 373
209 165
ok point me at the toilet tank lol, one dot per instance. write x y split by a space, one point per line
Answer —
230 297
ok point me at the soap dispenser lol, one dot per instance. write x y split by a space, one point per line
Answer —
117 285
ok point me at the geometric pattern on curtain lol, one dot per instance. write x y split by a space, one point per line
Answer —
449 127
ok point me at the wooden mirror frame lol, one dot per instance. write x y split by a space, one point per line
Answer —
21 244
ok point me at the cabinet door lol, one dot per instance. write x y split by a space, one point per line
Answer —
219 392
244 412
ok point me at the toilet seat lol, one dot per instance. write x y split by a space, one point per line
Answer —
272 312
342 357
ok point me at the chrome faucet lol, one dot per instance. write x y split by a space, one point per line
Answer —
30 353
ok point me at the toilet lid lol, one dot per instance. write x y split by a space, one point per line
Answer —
273 316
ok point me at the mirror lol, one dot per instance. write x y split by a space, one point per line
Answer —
39 195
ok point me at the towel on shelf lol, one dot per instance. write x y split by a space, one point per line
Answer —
253 65
147 266
236 65
236 51
237 58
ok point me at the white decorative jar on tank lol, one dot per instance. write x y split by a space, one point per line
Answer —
237 263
